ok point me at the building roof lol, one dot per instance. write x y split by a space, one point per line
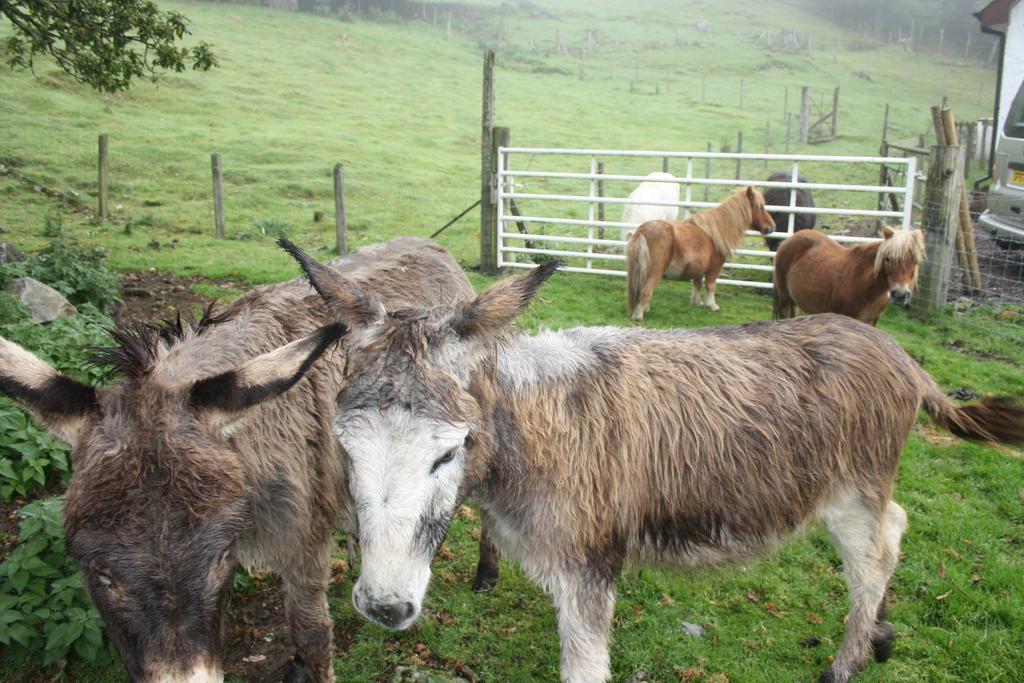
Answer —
996 14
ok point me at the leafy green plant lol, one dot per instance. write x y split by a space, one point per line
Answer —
75 270
29 457
45 613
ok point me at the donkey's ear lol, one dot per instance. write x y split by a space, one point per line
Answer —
229 396
887 232
58 402
346 301
499 305
750 194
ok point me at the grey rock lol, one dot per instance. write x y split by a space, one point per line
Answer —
415 674
10 254
695 630
44 303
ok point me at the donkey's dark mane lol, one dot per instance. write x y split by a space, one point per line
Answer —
137 345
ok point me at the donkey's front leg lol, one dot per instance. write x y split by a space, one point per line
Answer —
305 603
584 601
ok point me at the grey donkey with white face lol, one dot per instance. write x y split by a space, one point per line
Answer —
193 461
592 447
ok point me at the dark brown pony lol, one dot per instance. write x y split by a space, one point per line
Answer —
695 249
779 196
817 274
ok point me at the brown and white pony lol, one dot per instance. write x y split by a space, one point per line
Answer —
819 275
695 249
187 465
592 447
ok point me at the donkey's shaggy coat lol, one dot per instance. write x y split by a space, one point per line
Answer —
592 447
695 249
183 468
819 275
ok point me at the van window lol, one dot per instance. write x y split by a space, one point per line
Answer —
1014 127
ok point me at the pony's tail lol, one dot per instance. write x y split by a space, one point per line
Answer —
998 419
638 262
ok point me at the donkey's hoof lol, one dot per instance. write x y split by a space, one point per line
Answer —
295 672
883 640
485 581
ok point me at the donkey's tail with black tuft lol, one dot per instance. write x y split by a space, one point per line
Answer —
997 419
638 261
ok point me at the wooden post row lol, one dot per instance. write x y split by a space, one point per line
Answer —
218 195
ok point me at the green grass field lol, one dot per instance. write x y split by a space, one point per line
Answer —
400 107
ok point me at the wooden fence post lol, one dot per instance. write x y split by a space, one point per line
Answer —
941 214
102 207
340 223
970 263
739 150
488 227
664 164
600 206
805 114
835 112
218 195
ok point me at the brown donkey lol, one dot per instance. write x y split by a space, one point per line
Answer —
592 447
695 249
186 465
819 275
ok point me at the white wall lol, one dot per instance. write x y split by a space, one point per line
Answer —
1013 62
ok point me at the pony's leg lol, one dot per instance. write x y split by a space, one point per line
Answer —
585 603
710 279
868 542
644 303
695 292
487 566
305 604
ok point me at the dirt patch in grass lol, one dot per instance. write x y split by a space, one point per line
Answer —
148 296
257 643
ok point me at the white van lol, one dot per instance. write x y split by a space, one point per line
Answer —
1005 213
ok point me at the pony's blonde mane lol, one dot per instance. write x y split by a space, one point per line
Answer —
726 223
903 245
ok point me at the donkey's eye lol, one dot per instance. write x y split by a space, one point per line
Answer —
104 580
226 556
443 460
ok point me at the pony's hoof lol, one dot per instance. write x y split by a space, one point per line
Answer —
295 672
714 309
883 641
485 582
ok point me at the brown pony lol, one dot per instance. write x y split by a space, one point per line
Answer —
694 249
815 273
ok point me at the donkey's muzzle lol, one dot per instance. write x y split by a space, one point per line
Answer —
395 615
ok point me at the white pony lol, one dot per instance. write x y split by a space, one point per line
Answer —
654 189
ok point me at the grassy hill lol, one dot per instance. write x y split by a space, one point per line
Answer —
400 107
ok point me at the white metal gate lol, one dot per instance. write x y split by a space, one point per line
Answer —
545 221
